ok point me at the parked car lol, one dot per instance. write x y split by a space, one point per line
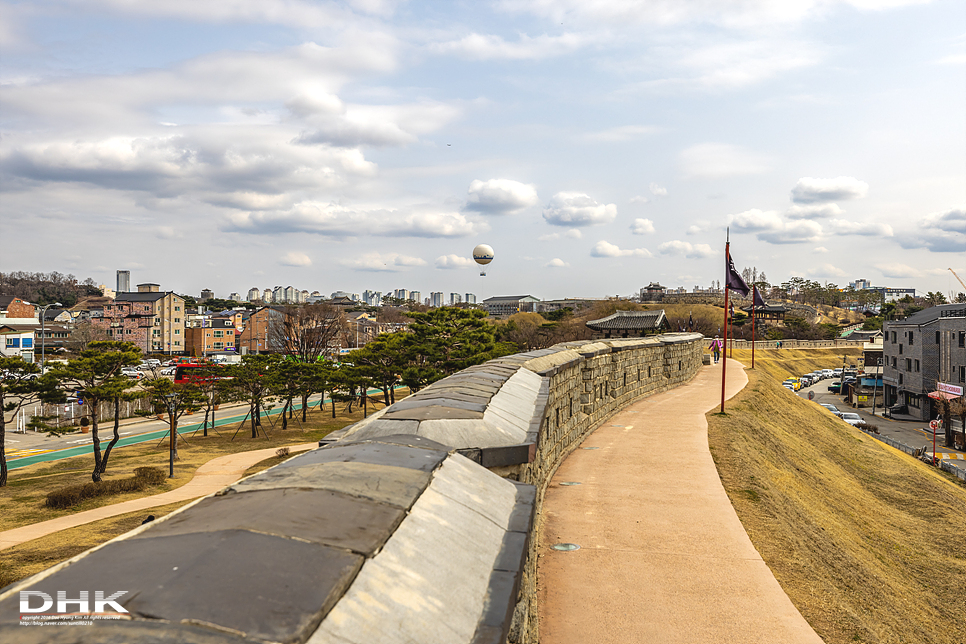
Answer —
835 387
831 408
851 418
131 372
828 373
836 372
169 371
792 384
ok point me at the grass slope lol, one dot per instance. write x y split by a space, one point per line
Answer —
869 543
783 363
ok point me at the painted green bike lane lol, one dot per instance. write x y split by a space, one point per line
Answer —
80 450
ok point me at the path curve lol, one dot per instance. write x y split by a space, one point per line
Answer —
210 477
663 556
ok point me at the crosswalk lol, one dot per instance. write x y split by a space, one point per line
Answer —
952 457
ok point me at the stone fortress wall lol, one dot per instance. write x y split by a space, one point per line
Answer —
420 523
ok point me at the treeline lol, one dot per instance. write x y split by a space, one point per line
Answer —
47 288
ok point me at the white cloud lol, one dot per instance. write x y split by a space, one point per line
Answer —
491 47
640 199
556 263
691 251
820 249
865 229
810 190
606 249
642 227
658 191
694 230
619 134
340 221
577 209
755 220
940 232
573 233
453 261
168 232
382 263
720 160
295 258
826 270
898 270
792 233
814 211
500 196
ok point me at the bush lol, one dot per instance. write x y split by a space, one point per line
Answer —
68 497
282 451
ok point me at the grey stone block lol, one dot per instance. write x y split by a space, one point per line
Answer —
427 584
431 412
396 486
266 587
475 487
318 516
376 453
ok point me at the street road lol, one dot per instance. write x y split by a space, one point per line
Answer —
912 433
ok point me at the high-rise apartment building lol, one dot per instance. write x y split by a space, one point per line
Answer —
288 294
470 298
206 294
455 298
436 299
267 296
235 297
416 297
123 281
278 295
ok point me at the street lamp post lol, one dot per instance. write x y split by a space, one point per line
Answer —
172 408
43 317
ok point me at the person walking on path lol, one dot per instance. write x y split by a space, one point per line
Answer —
716 349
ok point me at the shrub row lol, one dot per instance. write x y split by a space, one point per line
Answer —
68 497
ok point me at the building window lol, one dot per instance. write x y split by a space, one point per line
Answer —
219 345
900 378
893 337
13 342
900 349
910 339
917 366
177 308
962 374
219 334
914 401
962 338
177 342
908 364
28 343
937 337
177 331
177 320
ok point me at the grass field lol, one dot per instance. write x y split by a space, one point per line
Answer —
869 543
784 363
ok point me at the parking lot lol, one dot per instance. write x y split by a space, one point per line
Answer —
912 433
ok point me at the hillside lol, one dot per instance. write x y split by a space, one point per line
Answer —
867 542
785 363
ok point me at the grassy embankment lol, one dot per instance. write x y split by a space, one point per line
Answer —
22 501
868 542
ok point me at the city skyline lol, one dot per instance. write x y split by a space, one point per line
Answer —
596 147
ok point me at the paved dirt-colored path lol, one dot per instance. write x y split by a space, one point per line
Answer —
210 477
663 557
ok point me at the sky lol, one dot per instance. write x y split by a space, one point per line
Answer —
596 145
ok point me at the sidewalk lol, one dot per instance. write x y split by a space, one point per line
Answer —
663 557
210 477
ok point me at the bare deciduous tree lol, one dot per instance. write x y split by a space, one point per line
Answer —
305 332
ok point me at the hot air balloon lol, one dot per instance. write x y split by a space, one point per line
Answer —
483 255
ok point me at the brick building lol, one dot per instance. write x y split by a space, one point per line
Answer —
152 319
217 335
256 337
14 307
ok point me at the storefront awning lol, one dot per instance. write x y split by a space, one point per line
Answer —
938 395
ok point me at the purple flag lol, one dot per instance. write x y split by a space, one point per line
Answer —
734 280
757 299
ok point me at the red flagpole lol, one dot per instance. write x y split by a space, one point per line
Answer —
753 293
724 363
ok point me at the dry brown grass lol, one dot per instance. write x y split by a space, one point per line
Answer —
868 542
785 363
22 501
29 558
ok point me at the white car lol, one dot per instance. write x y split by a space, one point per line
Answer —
169 371
131 372
851 419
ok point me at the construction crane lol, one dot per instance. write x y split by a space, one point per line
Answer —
957 278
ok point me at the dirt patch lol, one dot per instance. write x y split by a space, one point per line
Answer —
867 542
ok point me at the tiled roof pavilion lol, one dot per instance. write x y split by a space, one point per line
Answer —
629 324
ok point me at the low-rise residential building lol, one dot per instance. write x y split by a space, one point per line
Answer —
924 358
257 336
15 307
507 305
17 340
215 335
152 319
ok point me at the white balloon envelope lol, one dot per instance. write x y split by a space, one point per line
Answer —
483 254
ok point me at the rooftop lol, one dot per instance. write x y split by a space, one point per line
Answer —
631 320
